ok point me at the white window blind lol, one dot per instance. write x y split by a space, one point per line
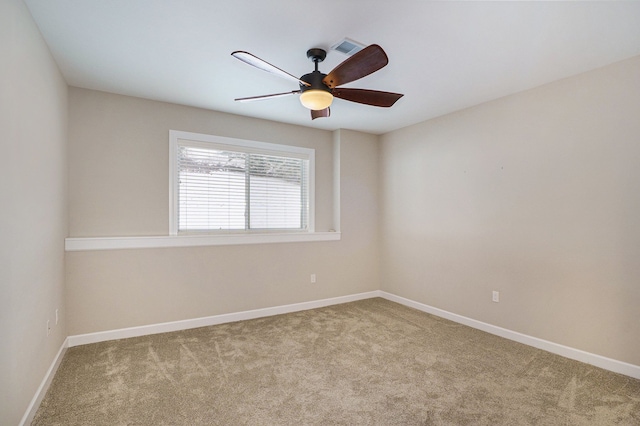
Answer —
240 186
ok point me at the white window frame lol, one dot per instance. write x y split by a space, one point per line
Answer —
176 135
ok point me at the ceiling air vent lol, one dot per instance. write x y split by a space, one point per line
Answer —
348 46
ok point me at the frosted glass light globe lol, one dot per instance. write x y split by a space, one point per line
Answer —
316 99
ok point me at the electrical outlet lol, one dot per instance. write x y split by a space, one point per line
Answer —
313 278
496 296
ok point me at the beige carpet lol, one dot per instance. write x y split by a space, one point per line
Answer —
371 362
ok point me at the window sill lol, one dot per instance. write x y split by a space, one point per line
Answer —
117 243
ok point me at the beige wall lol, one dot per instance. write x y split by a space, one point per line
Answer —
119 160
33 217
119 185
535 195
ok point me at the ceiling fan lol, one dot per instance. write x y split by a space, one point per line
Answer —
317 90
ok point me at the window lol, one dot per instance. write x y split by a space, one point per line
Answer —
229 185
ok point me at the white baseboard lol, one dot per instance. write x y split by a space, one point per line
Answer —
565 351
123 333
44 386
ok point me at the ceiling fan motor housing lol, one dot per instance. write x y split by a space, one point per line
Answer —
315 81
315 78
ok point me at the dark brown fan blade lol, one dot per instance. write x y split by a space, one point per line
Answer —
369 97
259 98
253 60
320 113
368 60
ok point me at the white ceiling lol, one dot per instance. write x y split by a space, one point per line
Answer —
444 56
